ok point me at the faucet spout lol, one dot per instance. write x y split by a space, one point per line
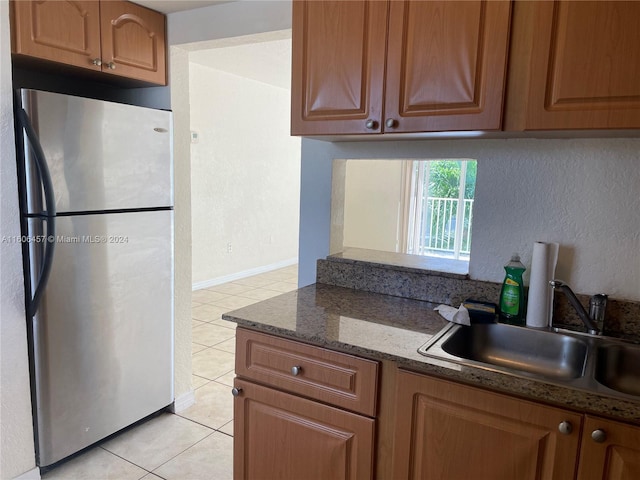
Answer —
592 328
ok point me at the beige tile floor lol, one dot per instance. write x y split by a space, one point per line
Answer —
196 443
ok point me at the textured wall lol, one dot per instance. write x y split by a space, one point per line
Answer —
245 172
17 454
581 193
179 77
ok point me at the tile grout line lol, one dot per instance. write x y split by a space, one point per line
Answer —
213 430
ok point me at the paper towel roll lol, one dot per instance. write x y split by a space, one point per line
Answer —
543 268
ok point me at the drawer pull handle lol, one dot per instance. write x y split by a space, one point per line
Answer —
565 428
236 391
371 124
599 436
295 371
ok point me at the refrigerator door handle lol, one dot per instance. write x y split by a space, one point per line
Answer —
47 186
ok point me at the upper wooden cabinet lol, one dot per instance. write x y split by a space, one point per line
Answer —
338 52
114 37
445 66
574 65
368 66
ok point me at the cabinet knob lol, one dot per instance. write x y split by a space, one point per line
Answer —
297 370
565 428
391 123
96 61
236 391
371 124
111 66
599 435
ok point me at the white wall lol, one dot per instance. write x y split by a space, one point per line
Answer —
582 193
179 80
219 21
245 175
373 192
17 454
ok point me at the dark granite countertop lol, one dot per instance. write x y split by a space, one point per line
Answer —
385 327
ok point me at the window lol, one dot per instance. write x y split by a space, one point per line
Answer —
438 207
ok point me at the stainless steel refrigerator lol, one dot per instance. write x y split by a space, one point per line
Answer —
96 188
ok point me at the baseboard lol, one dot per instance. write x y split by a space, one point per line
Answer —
184 401
30 475
244 274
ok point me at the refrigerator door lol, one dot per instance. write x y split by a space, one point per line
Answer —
103 335
102 155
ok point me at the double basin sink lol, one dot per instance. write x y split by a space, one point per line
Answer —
597 364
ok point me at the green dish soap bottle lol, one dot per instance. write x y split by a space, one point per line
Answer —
512 302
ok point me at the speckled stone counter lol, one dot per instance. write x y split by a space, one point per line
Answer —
384 327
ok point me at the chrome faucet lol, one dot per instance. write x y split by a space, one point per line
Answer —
594 320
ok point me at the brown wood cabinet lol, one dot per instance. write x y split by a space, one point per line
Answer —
447 431
574 65
290 424
609 451
114 37
332 377
338 52
370 67
445 66
280 436
287 424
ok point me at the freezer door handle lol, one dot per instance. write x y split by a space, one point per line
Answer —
50 206
45 270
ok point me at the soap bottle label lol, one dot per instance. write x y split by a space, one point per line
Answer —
510 302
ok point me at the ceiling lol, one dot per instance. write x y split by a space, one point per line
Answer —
169 6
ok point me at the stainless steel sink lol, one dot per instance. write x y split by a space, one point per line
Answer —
542 353
618 368
597 364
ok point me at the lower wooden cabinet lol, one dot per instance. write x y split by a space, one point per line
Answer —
447 431
290 424
285 437
609 451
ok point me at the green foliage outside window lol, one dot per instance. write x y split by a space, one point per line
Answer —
444 182
444 179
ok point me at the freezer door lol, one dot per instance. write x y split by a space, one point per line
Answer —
103 335
102 155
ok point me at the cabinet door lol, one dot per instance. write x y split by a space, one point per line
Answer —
446 431
60 31
133 41
575 65
283 437
615 457
338 51
446 65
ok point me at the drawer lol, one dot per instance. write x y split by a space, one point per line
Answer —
331 377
